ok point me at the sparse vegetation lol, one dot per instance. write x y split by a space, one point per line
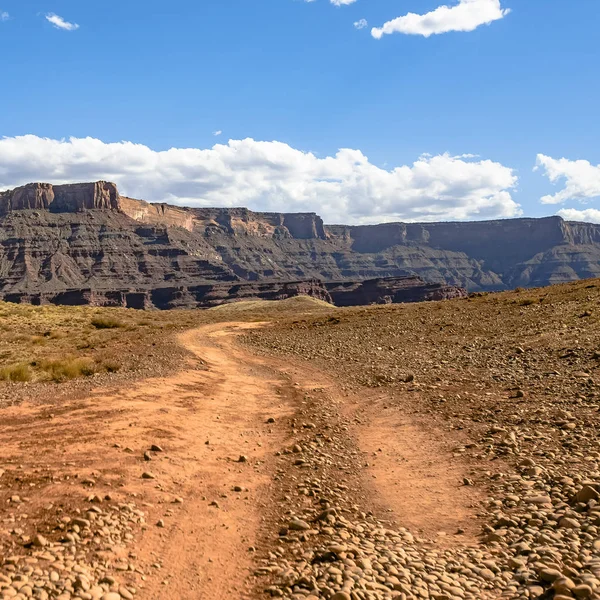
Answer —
68 368
527 301
106 323
62 343
20 372
111 366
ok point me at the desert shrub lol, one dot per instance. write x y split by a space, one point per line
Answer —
111 366
527 302
68 368
20 372
56 335
106 323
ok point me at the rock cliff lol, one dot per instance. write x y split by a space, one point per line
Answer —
390 290
61 198
166 297
58 239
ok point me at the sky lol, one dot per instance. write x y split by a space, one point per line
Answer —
363 111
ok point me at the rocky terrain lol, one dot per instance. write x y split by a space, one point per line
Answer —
88 241
440 450
513 379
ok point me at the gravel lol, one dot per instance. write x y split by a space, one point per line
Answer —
520 380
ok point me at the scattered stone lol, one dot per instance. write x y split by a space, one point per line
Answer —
298 525
39 541
586 494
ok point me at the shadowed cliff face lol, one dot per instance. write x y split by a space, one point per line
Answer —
57 238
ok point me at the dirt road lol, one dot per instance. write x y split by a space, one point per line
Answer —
213 490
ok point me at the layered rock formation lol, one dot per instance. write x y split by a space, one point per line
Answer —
390 290
169 297
61 198
70 238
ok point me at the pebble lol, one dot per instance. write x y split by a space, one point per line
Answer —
298 525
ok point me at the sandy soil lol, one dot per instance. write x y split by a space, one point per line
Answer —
204 418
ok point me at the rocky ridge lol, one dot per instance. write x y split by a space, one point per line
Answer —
373 291
54 239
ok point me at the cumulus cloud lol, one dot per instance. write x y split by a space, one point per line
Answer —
60 23
361 24
217 133
271 176
582 179
467 15
590 215
4 16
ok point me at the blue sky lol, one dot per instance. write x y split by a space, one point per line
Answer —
170 75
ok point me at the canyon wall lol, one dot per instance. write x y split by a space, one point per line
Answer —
59 238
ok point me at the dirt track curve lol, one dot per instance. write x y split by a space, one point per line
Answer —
218 512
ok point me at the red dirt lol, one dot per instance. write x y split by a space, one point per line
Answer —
226 400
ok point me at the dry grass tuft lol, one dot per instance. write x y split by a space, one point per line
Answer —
528 301
106 323
68 368
20 373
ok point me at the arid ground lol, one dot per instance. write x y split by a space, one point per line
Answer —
444 450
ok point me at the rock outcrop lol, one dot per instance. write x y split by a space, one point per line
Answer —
170 297
390 290
100 195
378 291
58 238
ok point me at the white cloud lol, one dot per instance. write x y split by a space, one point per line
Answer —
217 133
590 215
4 16
361 24
582 179
271 176
337 2
467 15
60 23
